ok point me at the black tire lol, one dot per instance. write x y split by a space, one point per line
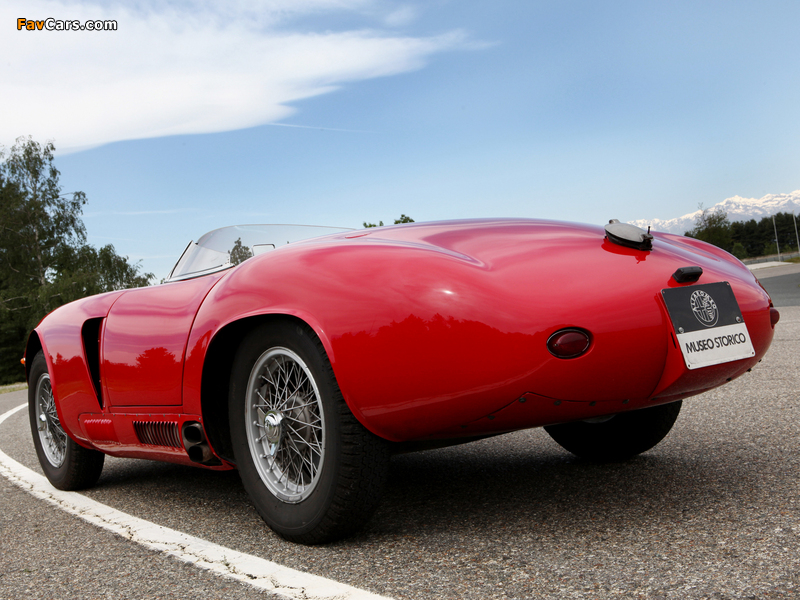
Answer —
335 470
620 437
68 465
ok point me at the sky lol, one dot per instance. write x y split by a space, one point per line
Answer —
196 114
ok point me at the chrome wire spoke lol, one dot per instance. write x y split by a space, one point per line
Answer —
297 434
285 424
301 454
305 461
268 380
57 429
304 405
303 423
264 400
284 380
52 436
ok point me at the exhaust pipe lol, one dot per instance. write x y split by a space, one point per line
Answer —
196 445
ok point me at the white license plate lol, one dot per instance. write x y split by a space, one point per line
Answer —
709 327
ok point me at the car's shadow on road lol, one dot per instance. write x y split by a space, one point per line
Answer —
495 484
502 484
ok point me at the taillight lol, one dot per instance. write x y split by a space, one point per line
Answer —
774 315
569 343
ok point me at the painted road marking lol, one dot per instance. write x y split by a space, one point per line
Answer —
252 570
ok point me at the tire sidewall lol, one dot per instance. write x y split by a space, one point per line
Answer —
623 436
306 515
56 475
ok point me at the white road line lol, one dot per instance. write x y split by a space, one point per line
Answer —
254 571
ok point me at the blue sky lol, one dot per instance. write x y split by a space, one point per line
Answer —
199 114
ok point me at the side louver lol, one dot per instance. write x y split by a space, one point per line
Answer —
158 433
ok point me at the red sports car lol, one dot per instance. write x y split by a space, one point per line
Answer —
304 363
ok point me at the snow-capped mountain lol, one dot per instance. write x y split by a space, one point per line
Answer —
738 209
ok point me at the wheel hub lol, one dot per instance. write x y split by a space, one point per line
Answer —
273 424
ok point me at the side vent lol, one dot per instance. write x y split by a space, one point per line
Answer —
100 430
90 332
158 433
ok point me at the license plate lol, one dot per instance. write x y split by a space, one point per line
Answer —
708 324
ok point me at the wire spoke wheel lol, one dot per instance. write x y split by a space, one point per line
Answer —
285 425
67 465
51 434
313 472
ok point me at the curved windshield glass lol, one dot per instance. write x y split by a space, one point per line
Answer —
229 246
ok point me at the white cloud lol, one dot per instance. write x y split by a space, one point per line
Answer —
402 16
195 66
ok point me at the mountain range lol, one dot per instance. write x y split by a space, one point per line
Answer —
738 209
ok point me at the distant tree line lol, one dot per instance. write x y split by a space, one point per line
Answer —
44 258
402 219
744 239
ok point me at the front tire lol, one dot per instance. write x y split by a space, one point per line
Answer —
313 472
619 437
66 464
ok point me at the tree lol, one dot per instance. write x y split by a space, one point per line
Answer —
39 223
403 219
769 249
758 238
86 271
713 226
239 253
745 238
739 251
44 259
747 234
13 295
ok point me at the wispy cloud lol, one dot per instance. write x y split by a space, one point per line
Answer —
189 67
130 213
320 128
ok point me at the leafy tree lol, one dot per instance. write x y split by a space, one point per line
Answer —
38 222
739 251
713 226
747 234
13 295
769 249
403 219
784 223
88 270
758 238
44 259
239 253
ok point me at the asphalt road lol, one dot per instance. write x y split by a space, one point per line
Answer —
782 283
712 512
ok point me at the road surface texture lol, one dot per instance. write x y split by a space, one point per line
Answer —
782 283
711 512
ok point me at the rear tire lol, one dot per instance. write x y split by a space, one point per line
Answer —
67 465
622 436
313 472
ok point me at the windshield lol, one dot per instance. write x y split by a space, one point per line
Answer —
229 246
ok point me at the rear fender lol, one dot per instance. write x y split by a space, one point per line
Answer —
208 371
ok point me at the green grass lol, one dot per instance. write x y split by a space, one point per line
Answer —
14 387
